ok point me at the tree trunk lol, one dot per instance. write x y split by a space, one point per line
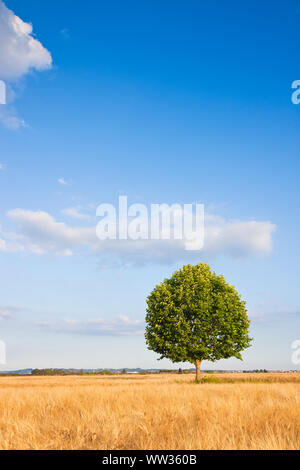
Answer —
198 373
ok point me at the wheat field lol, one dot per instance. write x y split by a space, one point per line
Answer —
162 411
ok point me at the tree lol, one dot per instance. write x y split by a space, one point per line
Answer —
196 315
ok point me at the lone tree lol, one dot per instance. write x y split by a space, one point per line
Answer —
196 315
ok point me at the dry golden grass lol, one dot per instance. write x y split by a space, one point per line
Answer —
150 412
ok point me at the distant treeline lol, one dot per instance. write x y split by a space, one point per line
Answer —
68 372
104 372
123 371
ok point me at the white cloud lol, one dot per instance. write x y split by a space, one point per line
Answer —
10 119
20 52
2 166
3 245
120 326
75 213
41 234
237 238
38 232
63 182
268 314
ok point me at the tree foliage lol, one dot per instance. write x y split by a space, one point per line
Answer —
196 315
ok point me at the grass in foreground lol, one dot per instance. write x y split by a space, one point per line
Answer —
249 411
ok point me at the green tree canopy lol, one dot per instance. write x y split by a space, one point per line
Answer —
196 315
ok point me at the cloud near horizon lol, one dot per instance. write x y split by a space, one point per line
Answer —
39 233
6 312
119 326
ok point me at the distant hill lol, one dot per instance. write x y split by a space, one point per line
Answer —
61 371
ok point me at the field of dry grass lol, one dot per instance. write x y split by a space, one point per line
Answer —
240 411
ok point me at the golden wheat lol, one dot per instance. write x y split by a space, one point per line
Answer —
150 412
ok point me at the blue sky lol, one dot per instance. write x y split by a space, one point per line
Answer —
164 102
